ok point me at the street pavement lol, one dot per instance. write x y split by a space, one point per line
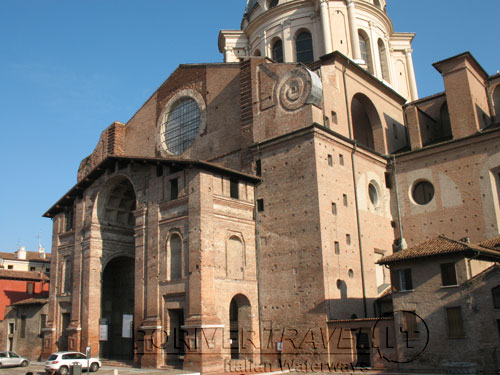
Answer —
37 368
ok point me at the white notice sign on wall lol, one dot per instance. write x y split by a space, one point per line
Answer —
127 326
103 332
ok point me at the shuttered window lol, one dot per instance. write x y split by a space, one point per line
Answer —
402 280
448 274
410 324
455 322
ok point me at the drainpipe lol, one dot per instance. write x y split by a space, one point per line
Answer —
257 258
394 168
355 185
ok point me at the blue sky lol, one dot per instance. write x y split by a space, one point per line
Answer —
69 68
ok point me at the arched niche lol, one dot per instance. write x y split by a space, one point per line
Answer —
235 258
277 50
384 62
175 257
367 128
116 203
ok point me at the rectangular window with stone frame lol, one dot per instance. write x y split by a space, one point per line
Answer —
401 280
234 187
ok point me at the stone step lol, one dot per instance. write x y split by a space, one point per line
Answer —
114 363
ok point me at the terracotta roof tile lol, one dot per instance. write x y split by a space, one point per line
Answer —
30 255
22 275
493 243
437 246
31 301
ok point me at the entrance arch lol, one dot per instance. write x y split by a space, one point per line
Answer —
117 309
116 206
240 323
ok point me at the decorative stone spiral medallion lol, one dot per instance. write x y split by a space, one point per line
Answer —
293 89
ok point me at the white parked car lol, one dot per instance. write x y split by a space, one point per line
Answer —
11 359
61 362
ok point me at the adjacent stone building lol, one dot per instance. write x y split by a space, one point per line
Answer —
446 297
239 214
22 327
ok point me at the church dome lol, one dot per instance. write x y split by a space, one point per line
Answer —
304 30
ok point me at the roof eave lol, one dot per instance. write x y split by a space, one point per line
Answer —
97 172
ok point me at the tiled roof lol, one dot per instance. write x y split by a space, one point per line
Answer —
493 243
30 255
437 246
31 301
22 275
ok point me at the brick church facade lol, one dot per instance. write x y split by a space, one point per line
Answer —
240 213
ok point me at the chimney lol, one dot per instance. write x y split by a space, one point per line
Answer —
41 252
21 253
467 99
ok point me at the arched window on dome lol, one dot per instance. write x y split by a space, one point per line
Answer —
364 46
384 66
272 4
377 3
304 47
278 51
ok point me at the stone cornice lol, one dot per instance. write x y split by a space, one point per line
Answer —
274 14
377 13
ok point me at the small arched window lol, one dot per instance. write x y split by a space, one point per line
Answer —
175 247
257 52
377 3
383 61
278 51
496 102
364 46
304 47
273 3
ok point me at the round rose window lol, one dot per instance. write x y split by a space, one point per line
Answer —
180 125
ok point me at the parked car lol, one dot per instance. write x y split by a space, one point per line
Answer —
61 362
11 359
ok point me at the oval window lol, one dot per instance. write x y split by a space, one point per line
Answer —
373 193
423 192
181 125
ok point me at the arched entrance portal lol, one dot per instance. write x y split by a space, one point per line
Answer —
117 204
240 323
117 309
